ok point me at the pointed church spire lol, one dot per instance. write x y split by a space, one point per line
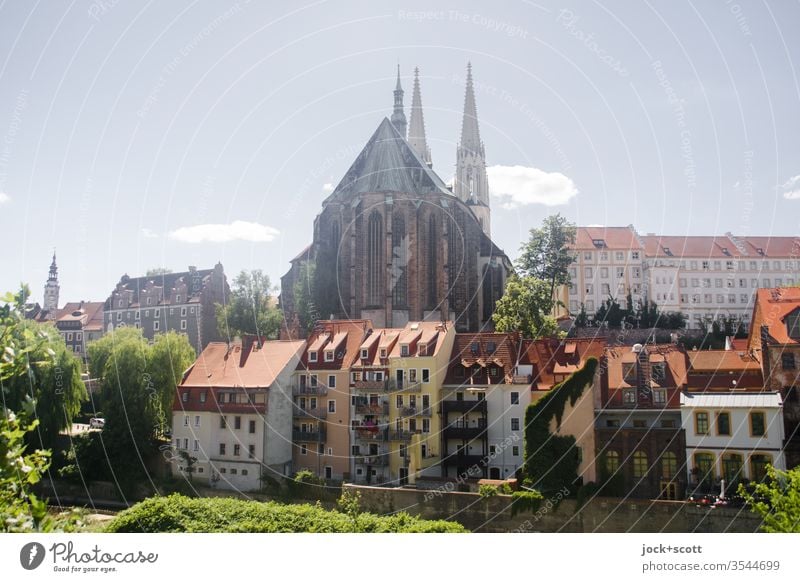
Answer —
398 116
53 276
471 182
470 136
51 288
416 127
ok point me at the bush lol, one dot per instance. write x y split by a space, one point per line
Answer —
487 491
177 513
529 501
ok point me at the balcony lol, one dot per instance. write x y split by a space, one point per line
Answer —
381 460
372 433
400 435
465 432
380 409
464 406
463 460
318 413
307 390
372 385
299 436
415 411
405 387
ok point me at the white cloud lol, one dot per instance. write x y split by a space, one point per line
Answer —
4 198
517 186
236 230
792 188
147 233
327 188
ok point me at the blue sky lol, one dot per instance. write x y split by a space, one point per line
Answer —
125 125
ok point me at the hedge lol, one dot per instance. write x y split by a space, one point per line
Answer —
177 513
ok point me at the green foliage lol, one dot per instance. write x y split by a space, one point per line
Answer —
776 500
551 461
525 307
715 334
168 358
251 308
546 255
582 318
611 313
85 459
306 290
525 501
177 513
306 477
51 378
505 489
486 491
350 505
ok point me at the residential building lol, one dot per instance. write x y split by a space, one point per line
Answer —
321 399
80 323
775 342
733 425
394 244
233 413
417 363
640 447
183 302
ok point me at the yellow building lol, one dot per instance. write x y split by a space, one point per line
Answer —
418 362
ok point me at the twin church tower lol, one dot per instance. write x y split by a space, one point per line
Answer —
470 184
393 243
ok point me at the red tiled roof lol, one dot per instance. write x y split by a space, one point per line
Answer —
336 334
773 246
221 365
504 354
690 246
771 309
614 237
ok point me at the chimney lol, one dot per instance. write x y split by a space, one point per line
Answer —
728 343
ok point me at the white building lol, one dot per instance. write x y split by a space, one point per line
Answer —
731 436
233 413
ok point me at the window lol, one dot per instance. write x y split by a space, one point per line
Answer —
251 451
612 423
312 356
611 464
234 471
202 397
252 427
629 396
328 355
619 255
237 422
757 424
758 466
604 272
223 421
185 396
69 336
723 424
669 465
640 465
196 445
183 325
700 423
221 448
303 449
587 272
515 424
426 375
787 361
197 421
331 381
399 401
332 406
629 373
515 398
704 466
158 313
426 425
515 451
236 449
185 421
587 256
223 470
732 467
659 396
639 424
404 350
155 325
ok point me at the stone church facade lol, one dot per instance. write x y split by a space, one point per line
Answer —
394 244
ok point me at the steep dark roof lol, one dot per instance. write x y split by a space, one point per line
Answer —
167 280
389 164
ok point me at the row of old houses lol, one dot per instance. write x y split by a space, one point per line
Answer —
420 404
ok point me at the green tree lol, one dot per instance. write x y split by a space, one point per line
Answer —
776 500
582 318
525 307
305 289
168 358
52 379
251 308
547 254
611 313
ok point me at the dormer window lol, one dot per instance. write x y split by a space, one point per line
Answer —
491 347
793 324
760 251
404 350
148 301
177 298
474 348
328 355
383 353
312 356
659 372
364 354
629 373
423 349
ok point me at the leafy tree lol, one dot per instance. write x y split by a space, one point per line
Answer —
648 314
776 500
251 308
525 307
51 378
582 319
168 358
547 254
305 290
611 313
99 351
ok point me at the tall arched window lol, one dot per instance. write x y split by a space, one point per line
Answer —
336 235
669 465
433 248
453 263
375 259
640 465
732 467
611 463
399 276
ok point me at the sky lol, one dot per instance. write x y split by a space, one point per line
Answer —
136 135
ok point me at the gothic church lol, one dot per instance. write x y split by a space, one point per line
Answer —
393 243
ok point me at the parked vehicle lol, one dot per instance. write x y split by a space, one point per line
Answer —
97 422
